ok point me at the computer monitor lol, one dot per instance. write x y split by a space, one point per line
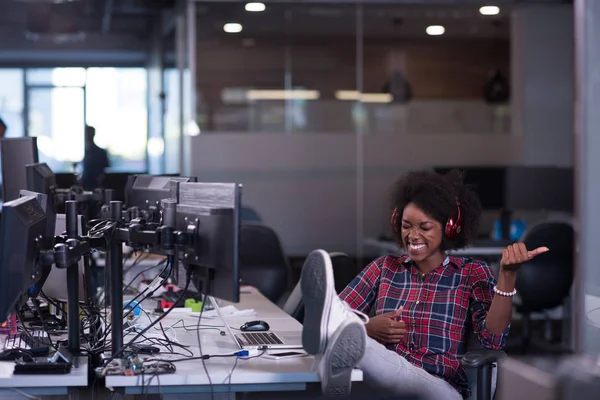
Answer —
15 154
488 181
23 221
532 188
213 209
117 181
146 192
40 178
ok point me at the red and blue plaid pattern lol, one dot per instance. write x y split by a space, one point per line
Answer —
440 310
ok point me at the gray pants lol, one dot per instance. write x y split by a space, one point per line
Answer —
390 373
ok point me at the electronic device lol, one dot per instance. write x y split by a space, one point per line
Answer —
540 188
285 355
454 223
23 222
15 354
489 182
262 340
36 342
145 192
212 212
55 286
41 368
15 154
255 326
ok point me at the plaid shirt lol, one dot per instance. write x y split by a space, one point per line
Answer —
440 308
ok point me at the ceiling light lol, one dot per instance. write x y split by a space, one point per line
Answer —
295 94
364 97
232 27
255 7
435 30
489 10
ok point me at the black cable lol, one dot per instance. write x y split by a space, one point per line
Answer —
120 351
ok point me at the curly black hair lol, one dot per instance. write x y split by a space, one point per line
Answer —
436 195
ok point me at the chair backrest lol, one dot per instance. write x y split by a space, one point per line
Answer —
263 264
294 306
249 214
545 281
344 270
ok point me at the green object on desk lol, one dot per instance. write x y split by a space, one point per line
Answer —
196 306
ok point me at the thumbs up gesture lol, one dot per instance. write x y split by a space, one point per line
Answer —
387 328
516 254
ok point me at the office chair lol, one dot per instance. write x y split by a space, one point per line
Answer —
343 273
482 368
344 270
263 263
545 282
249 214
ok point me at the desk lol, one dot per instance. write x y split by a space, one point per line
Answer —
386 247
41 385
258 374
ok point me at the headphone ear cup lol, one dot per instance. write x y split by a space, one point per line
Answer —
454 227
394 220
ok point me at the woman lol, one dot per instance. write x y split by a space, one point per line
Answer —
425 302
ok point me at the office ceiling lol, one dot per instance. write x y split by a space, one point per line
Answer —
64 18
393 21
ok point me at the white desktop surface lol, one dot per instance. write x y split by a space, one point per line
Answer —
42 384
257 374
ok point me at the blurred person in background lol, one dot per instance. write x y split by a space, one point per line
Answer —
95 161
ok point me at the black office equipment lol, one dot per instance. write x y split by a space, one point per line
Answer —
117 182
263 263
23 221
489 182
255 326
33 341
144 193
212 212
16 153
540 188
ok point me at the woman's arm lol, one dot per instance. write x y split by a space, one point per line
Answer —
500 313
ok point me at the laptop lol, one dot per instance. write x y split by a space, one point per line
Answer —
262 340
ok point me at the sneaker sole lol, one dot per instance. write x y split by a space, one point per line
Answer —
317 291
346 349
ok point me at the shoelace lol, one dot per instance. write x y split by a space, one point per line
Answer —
360 314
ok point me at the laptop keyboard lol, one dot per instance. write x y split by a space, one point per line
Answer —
261 338
23 341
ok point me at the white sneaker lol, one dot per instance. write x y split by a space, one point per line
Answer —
324 311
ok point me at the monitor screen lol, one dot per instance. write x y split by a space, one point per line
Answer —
488 182
214 210
531 188
15 154
23 220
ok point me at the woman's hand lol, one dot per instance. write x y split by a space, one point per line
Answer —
516 254
385 328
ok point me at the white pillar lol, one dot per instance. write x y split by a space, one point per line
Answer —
587 168
542 82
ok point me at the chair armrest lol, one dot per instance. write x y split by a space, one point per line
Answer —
479 357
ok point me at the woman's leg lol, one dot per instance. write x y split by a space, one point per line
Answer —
391 373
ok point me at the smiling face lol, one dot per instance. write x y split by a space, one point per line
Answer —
421 234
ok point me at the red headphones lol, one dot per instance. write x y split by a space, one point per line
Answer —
453 225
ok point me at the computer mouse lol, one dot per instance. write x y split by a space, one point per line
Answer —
255 326
15 354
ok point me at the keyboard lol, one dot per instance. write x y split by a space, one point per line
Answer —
261 338
23 341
